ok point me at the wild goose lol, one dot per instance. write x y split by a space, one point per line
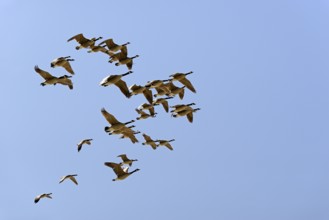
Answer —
116 80
174 90
84 42
94 49
119 56
181 107
162 90
130 135
113 46
163 102
119 171
126 160
187 112
85 141
45 195
165 143
156 83
115 124
135 89
53 80
124 129
128 61
181 77
149 141
63 62
71 177
144 115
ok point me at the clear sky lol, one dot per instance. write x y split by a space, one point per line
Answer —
258 149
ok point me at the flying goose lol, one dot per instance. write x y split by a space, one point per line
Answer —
94 49
120 131
116 80
181 77
53 80
126 160
113 46
187 112
71 177
149 141
164 89
115 124
130 135
174 90
181 107
45 195
144 115
119 56
128 61
136 89
84 42
85 141
163 102
63 62
165 143
119 171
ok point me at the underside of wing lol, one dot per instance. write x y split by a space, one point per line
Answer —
109 117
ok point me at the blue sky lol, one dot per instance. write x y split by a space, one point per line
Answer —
258 149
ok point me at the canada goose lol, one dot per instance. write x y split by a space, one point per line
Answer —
85 141
94 49
113 46
135 89
84 42
144 115
71 177
181 77
163 102
119 56
128 61
119 171
130 135
165 143
174 90
53 80
45 195
120 131
149 141
116 125
64 80
156 83
126 160
63 62
181 107
187 112
116 80
162 90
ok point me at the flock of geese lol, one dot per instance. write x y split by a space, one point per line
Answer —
119 55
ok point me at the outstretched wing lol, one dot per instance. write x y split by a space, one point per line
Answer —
109 117
79 38
43 73
123 88
188 84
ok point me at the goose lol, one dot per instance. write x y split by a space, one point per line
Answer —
94 49
136 89
147 106
85 141
162 90
119 56
156 83
64 80
181 77
187 112
84 42
119 171
126 160
128 61
130 135
181 107
174 90
113 46
53 80
63 62
116 80
149 141
123 130
163 102
41 196
165 143
115 124
144 115
71 177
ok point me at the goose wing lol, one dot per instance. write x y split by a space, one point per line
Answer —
165 105
148 95
65 81
190 117
72 178
131 136
123 88
109 117
123 157
68 67
79 38
147 138
43 74
63 178
129 64
116 168
188 84
168 145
